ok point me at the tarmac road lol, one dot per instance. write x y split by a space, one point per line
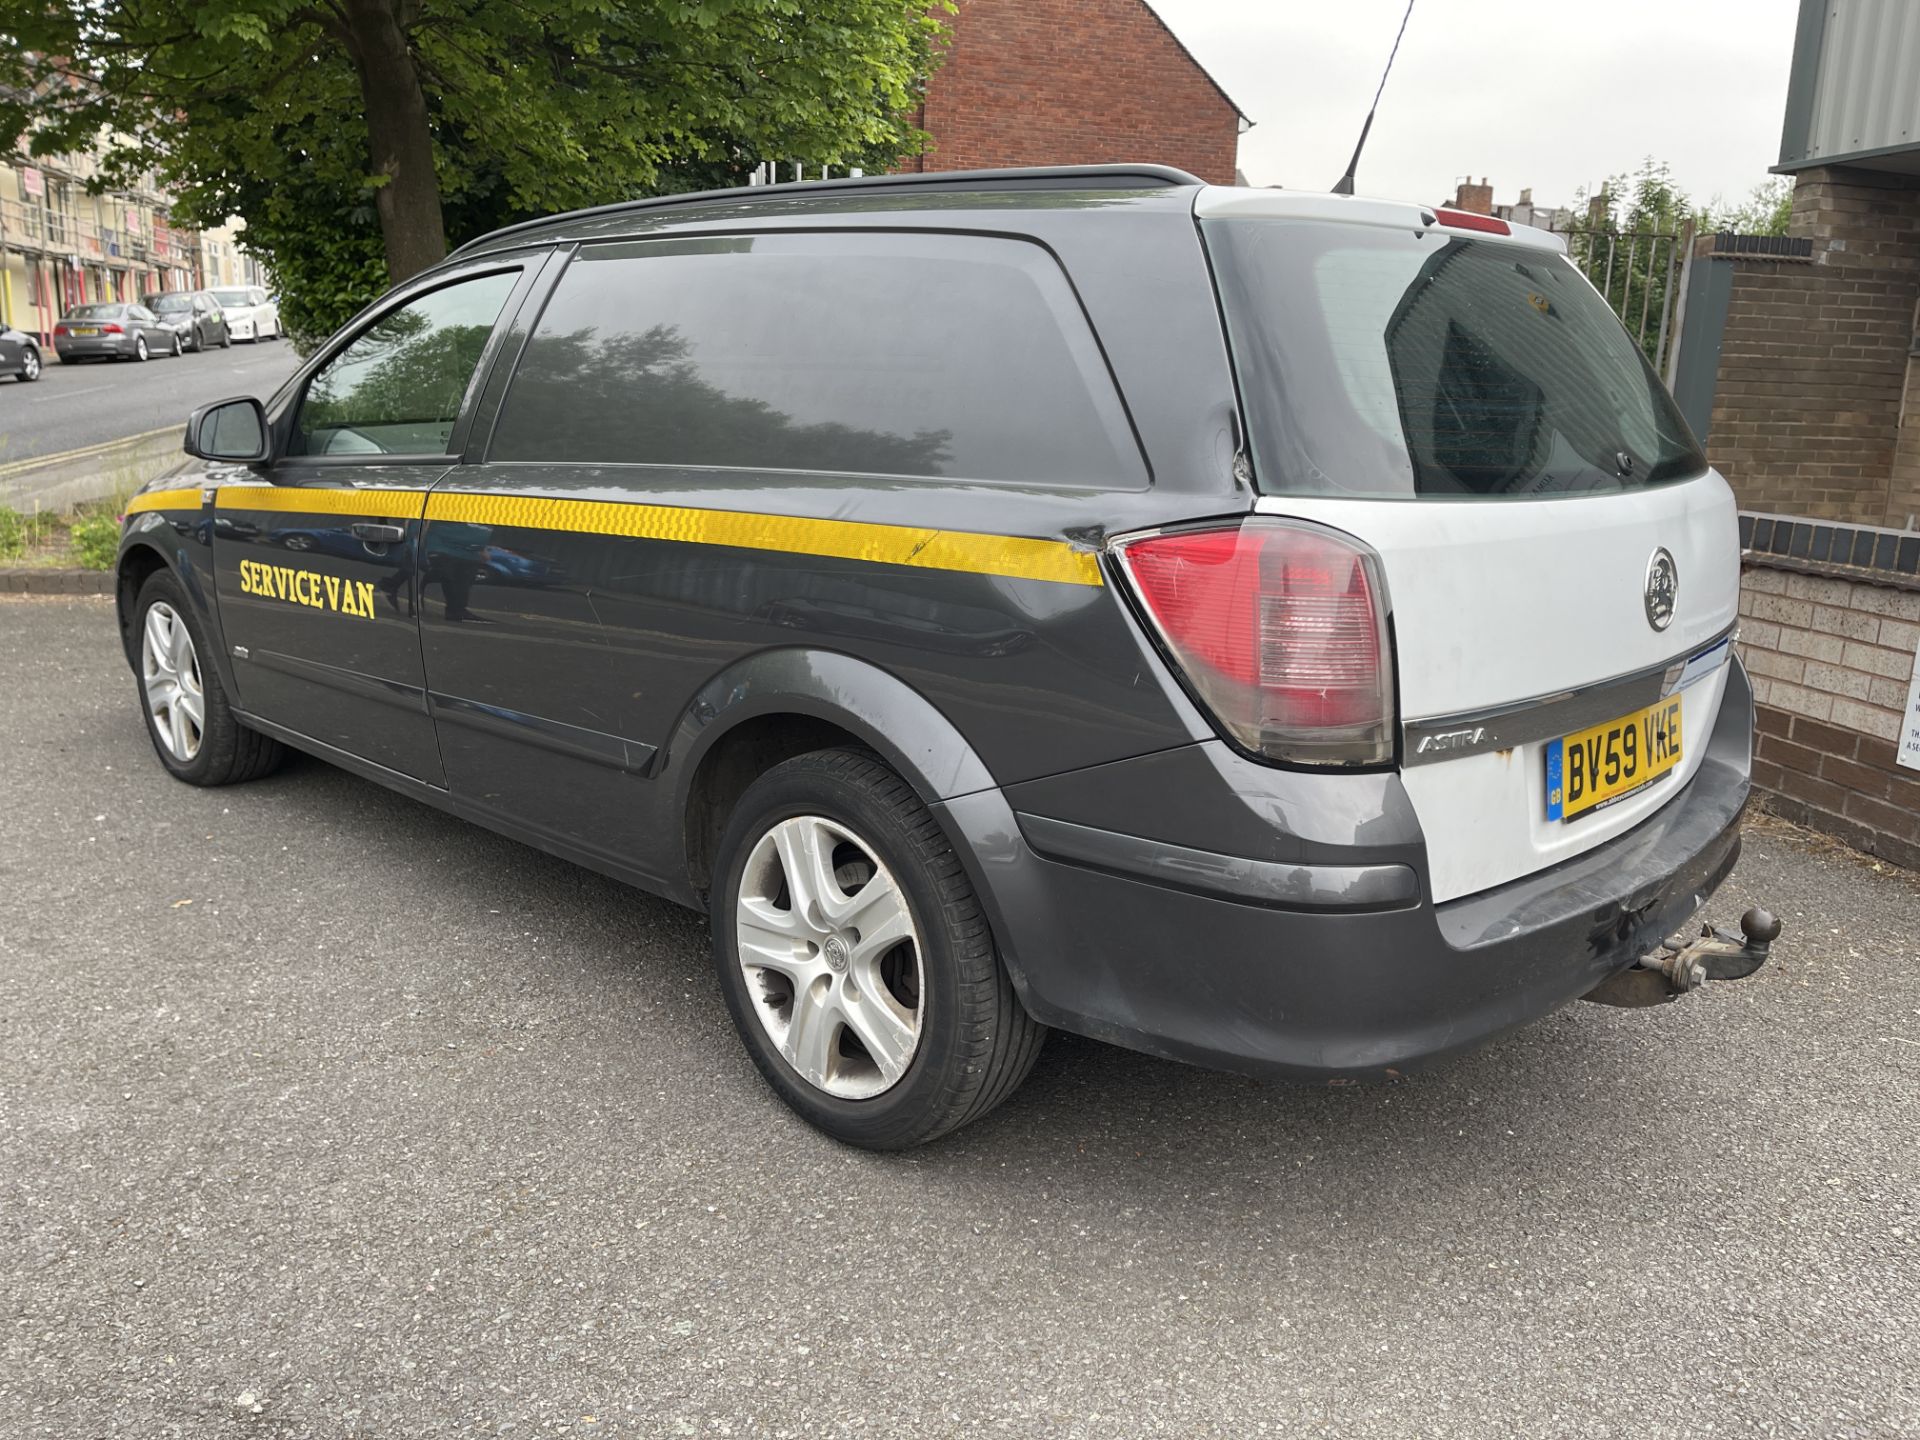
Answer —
71 406
322 1114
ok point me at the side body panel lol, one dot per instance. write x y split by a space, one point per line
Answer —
322 621
605 600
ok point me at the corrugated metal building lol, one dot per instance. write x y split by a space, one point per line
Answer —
1854 95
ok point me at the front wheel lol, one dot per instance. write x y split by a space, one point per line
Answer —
856 960
192 726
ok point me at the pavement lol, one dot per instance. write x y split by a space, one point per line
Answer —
323 1114
73 406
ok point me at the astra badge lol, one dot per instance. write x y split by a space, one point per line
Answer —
1663 585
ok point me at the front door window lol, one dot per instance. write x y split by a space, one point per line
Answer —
397 389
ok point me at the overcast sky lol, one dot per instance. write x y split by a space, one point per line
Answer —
1526 92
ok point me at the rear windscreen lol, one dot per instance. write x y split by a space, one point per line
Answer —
1396 363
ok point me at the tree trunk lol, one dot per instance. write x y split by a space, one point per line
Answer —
399 140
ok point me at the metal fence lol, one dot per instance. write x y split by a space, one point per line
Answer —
1642 274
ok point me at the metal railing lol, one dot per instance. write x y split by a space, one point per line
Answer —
1642 275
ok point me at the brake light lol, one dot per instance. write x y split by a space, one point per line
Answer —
1280 627
110 329
1467 220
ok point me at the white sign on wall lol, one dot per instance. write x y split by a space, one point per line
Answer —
1910 722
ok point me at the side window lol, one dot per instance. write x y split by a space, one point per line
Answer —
396 390
866 353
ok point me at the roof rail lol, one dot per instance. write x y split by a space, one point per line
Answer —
1037 177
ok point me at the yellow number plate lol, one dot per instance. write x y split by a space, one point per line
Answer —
86 330
1595 767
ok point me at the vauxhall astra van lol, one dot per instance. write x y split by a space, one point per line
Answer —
1286 633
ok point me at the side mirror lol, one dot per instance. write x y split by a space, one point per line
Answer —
230 430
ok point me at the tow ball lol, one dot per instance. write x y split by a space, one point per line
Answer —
1680 964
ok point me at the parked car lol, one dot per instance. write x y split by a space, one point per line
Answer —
19 355
1287 633
194 315
113 330
250 314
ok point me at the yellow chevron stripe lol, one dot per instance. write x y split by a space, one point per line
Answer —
165 500
1017 556
1010 555
323 500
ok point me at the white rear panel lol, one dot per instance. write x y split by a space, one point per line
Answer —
1497 602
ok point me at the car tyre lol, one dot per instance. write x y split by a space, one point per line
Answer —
189 719
175 352
29 366
959 1041
140 347
226 338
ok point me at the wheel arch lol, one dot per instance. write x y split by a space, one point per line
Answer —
146 552
777 704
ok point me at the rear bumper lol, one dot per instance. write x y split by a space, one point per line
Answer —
82 347
1327 983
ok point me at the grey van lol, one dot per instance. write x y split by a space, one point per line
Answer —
1282 633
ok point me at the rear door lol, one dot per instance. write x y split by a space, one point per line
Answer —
1562 566
314 559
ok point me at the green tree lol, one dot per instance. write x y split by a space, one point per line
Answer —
1766 211
358 138
1627 238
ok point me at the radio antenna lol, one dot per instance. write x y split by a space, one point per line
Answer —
1344 186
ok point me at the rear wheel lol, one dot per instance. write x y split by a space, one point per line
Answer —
29 366
856 960
175 351
226 338
199 341
140 347
189 720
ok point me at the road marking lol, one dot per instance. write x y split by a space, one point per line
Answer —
88 390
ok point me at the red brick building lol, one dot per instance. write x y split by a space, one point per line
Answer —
1074 82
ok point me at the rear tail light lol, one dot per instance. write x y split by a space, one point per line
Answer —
110 329
1281 630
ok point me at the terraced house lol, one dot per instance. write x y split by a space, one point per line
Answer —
61 246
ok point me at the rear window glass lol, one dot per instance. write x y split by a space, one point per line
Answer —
233 297
891 354
96 312
1393 363
170 302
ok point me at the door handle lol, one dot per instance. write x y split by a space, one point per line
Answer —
377 534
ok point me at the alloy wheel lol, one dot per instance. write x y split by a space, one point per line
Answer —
831 956
139 347
30 364
170 674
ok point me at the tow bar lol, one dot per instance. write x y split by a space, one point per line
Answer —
1679 964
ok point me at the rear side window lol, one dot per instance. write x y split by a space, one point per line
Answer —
887 353
1393 363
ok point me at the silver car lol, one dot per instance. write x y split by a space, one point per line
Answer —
113 330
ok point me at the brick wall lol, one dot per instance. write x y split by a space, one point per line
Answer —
1815 359
1831 660
1074 82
